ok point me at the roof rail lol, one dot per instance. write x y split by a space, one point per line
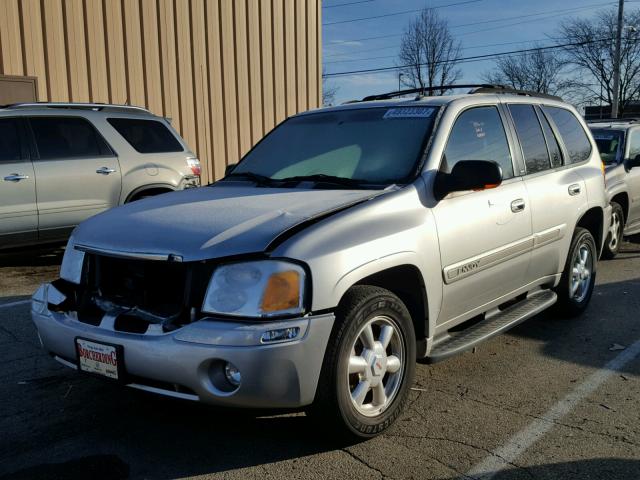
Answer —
420 91
476 88
74 106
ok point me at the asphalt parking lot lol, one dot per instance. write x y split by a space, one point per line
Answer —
552 399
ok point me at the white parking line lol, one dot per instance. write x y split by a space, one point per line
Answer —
14 304
519 443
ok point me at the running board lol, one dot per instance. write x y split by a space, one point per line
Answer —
502 321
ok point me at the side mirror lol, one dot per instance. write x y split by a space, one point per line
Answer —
468 175
633 162
229 168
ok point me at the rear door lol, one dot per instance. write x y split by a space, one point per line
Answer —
484 236
18 211
556 190
633 182
77 173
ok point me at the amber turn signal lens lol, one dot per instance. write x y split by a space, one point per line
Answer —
282 292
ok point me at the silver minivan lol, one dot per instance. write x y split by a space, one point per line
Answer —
61 163
350 242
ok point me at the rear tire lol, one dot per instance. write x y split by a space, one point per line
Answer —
614 236
579 275
368 366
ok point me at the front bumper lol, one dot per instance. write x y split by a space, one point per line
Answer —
184 363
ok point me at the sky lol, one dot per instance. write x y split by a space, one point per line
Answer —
482 27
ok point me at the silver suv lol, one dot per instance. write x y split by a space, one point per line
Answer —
61 163
348 243
619 143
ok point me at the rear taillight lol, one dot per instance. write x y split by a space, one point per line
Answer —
194 164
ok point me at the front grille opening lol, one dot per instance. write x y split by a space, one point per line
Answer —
170 387
91 315
130 324
138 293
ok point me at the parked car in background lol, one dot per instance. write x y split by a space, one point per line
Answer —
61 163
348 243
618 141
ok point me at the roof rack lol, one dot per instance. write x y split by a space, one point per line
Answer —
475 88
74 106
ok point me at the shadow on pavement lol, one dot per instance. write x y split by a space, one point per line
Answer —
592 469
32 257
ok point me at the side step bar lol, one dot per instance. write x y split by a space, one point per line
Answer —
465 340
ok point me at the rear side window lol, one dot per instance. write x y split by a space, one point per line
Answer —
571 131
146 136
534 146
67 137
552 142
9 140
478 134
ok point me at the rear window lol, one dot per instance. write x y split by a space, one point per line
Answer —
67 137
571 131
146 136
9 140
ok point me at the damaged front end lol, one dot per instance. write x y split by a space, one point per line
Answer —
138 295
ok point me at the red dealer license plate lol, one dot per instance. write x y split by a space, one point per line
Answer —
99 358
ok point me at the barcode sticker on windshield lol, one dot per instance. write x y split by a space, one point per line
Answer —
409 112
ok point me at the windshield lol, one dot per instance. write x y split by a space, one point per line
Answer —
610 144
380 146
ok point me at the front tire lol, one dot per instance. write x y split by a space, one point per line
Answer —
579 275
369 364
614 236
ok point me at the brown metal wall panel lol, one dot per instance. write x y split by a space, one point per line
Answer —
96 51
225 71
34 44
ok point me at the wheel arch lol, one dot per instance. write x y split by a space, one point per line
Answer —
406 281
593 220
622 199
152 187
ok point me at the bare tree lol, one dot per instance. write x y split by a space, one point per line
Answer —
429 53
591 54
538 70
329 91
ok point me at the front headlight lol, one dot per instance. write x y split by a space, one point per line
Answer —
71 269
263 288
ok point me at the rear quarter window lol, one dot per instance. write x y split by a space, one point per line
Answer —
575 138
146 136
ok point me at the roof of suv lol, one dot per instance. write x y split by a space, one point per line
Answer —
614 123
438 101
89 107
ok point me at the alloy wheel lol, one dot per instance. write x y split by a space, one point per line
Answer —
376 366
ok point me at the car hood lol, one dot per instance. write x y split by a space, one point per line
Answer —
215 221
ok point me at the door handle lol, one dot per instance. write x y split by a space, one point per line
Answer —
517 205
574 189
105 170
15 177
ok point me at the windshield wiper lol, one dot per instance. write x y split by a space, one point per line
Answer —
323 178
256 177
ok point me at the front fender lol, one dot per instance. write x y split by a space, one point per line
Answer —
392 230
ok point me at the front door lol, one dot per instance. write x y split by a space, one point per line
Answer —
18 211
77 173
485 235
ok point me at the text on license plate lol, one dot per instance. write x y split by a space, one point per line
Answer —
97 358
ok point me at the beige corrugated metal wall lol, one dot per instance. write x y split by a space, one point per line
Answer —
225 71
